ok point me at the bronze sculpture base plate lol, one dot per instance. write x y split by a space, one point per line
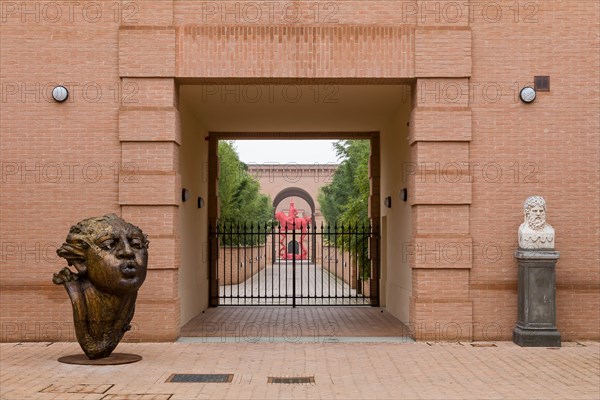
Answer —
113 359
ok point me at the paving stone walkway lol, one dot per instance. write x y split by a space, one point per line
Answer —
314 324
340 371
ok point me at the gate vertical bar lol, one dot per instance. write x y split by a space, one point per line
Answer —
285 265
240 257
231 265
329 264
266 239
355 266
335 231
353 261
365 249
274 258
313 237
294 264
322 262
252 263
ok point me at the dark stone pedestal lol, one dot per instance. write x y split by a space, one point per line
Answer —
536 324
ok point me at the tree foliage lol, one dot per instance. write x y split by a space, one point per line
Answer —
241 203
345 199
344 202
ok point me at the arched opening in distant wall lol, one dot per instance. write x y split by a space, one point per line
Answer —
304 195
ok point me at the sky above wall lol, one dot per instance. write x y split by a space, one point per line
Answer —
286 151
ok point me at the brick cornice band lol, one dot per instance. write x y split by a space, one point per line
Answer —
277 51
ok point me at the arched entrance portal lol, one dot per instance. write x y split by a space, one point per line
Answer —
304 195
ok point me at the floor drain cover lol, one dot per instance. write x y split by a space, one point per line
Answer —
201 378
483 344
290 380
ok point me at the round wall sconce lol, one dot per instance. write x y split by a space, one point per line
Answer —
388 202
527 94
185 195
200 202
60 93
404 194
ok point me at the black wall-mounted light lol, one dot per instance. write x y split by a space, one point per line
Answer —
404 194
388 202
185 195
200 202
60 93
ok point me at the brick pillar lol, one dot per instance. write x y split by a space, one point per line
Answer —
440 189
150 188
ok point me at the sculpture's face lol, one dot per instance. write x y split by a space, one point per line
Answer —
117 259
536 217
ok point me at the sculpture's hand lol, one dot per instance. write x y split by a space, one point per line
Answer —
65 275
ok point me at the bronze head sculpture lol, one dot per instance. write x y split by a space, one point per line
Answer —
111 258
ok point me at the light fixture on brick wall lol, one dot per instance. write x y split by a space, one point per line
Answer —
200 202
60 93
527 94
185 195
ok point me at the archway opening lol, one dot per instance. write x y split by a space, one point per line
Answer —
284 201
337 262
376 112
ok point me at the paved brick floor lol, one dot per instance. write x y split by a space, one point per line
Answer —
248 323
340 371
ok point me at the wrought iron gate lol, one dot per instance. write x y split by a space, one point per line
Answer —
262 264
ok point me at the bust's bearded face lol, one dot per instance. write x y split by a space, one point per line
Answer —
536 217
117 259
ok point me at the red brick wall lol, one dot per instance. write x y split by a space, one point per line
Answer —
120 61
275 178
60 162
549 148
341 265
238 264
273 51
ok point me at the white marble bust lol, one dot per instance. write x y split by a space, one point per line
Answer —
535 233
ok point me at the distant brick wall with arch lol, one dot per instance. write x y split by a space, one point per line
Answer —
277 179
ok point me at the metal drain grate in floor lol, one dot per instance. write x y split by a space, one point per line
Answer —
483 345
200 378
290 380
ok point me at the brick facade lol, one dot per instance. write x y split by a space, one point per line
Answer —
115 145
237 264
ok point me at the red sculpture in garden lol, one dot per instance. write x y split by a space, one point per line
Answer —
287 223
